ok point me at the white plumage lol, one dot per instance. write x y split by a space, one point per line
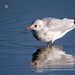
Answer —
51 29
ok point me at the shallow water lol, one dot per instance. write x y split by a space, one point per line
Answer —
17 46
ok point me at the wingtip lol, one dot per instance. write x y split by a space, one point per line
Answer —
74 20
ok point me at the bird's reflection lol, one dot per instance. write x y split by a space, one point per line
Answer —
52 58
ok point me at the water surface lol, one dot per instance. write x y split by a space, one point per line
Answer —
18 48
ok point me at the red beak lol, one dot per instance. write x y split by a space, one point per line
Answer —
28 28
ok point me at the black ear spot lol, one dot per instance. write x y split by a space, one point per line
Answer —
39 25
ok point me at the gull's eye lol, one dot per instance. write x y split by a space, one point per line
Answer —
35 26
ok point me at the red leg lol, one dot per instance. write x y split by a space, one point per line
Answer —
52 44
48 43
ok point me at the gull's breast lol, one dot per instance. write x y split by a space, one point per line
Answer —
41 36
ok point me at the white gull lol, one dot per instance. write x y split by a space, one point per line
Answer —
51 29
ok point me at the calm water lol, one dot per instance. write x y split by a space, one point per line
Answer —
20 52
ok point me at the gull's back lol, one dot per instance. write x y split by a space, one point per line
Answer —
61 25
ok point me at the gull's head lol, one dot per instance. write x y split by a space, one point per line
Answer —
37 25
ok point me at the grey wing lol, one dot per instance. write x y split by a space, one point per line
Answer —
61 25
